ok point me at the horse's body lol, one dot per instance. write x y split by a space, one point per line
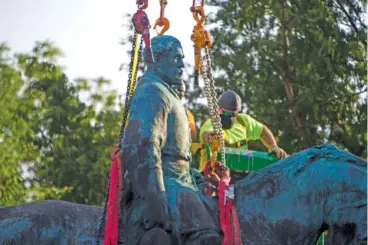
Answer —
294 200
290 202
49 223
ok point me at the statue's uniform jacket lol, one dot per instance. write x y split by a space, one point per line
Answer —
157 138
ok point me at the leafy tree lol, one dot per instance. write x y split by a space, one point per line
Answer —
64 143
17 149
13 132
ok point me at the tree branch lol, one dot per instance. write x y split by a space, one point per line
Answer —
350 20
287 77
339 98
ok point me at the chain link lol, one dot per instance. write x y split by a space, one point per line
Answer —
128 98
210 93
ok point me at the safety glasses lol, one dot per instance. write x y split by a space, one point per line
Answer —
227 113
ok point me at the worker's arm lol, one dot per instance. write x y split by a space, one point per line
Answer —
267 138
258 131
269 142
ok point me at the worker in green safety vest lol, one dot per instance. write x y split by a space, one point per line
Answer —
238 128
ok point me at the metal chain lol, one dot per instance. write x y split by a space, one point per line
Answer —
128 99
210 93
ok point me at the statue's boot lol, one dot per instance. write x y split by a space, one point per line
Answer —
156 236
205 237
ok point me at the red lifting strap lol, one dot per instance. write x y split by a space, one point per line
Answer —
229 220
210 174
228 216
112 223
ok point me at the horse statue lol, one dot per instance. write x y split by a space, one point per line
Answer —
289 202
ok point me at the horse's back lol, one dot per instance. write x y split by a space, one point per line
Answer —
49 222
320 184
46 207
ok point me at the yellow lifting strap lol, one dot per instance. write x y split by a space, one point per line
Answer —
131 82
135 65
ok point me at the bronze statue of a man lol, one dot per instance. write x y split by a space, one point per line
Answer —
161 203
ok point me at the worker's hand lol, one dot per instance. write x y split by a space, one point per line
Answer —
279 152
208 136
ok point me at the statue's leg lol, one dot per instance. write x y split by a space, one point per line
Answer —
156 236
204 237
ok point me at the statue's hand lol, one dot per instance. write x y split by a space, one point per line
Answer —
157 215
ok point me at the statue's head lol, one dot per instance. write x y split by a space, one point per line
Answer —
168 56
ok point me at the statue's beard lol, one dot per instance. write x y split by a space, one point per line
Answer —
171 80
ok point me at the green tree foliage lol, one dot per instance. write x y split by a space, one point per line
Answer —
14 132
299 67
17 148
63 142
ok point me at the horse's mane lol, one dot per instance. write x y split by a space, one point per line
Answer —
298 163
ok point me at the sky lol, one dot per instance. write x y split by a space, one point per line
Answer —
88 32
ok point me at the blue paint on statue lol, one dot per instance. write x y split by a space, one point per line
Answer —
49 222
14 227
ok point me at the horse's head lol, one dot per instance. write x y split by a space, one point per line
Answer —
295 200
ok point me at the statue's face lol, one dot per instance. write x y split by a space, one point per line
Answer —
170 67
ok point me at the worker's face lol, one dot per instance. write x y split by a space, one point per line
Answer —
228 118
170 67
